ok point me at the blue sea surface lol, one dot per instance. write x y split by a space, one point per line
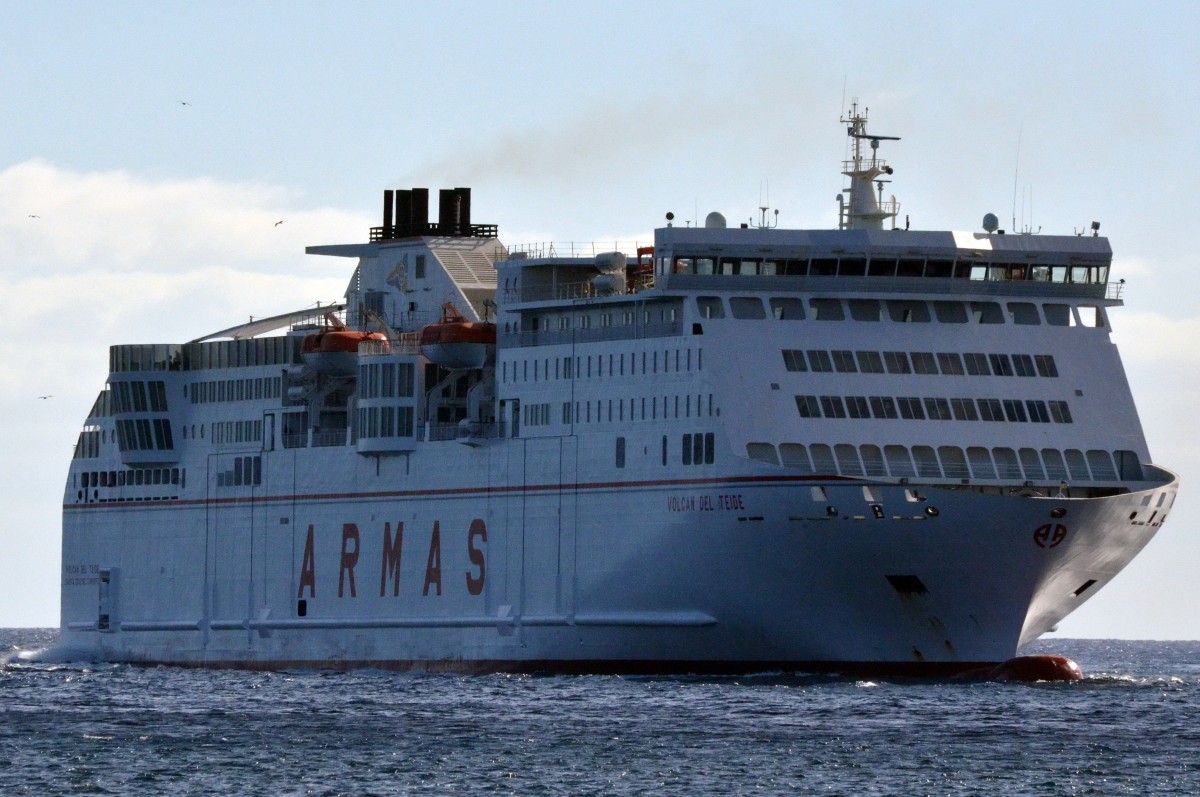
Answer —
1131 727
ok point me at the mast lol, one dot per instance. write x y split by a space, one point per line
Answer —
865 210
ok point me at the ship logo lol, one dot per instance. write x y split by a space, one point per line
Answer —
1049 536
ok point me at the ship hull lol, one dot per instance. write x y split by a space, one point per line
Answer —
512 557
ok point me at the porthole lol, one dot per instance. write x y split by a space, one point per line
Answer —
831 511
1058 512
931 511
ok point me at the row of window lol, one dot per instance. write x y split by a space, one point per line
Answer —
385 422
237 431
145 434
887 266
947 363
952 462
597 319
245 471
139 396
644 408
134 477
386 380
915 408
600 365
697 448
899 310
539 414
263 387
200 356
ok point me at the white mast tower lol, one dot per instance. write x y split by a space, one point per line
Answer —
865 210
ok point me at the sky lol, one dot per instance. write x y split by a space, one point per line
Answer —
149 148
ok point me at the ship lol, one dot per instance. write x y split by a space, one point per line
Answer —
736 448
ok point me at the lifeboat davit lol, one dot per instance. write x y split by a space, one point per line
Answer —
457 343
335 350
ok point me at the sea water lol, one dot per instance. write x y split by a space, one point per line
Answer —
1131 727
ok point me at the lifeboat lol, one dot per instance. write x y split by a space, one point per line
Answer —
334 350
457 343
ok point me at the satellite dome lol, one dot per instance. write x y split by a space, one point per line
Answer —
990 222
714 221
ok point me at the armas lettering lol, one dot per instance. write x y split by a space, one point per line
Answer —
392 541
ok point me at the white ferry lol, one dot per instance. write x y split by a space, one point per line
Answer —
744 448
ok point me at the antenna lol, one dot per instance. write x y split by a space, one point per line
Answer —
1016 171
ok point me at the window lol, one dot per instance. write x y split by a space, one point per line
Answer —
857 407
787 309
1031 464
747 307
1038 412
819 360
991 409
869 362
793 360
1055 468
1045 365
1023 365
710 307
883 407
1060 412
832 405
938 409
1014 410
950 363
827 309
1024 313
910 408
1001 365
808 406
897 362
950 312
987 313
923 362
907 311
977 364
843 361
864 309
954 462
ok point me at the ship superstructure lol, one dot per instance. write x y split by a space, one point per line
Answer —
737 449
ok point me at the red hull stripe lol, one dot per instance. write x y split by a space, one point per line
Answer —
462 492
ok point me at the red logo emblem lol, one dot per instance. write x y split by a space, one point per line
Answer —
1048 536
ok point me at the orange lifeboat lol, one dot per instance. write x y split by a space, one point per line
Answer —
334 350
457 343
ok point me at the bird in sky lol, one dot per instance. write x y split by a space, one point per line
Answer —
46 397
279 222
181 102
34 216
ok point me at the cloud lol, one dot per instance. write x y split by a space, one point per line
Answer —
116 221
116 258
1153 338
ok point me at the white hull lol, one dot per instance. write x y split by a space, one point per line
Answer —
727 573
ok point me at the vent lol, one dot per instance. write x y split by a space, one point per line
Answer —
1085 587
907 585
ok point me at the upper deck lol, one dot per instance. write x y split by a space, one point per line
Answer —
876 261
